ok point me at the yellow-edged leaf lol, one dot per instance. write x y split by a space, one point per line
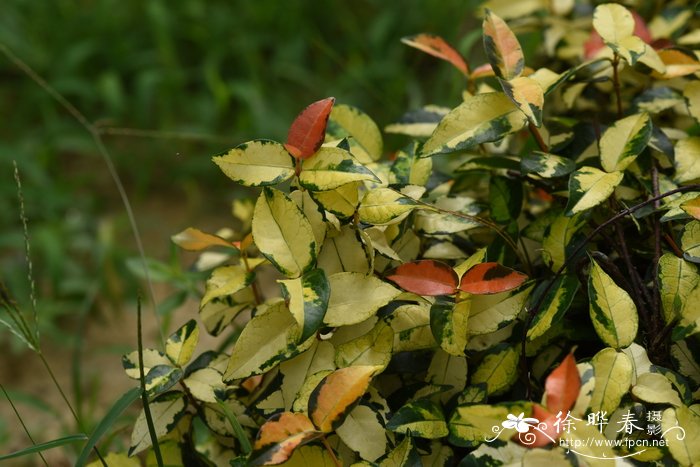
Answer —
589 187
355 297
449 370
613 378
681 430
502 47
336 394
313 213
350 121
373 348
330 168
479 119
489 313
690 241
677 279
308 300
181 344
342 201
498 369
624 141
655 388
257 163
166 411
448 322
422 418
296 371
554 305
613 22
528 95
283 233
225 281
382 206
411 325
612 310
558 238
687 159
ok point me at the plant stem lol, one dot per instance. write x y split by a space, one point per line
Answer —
616 84
330 451
538 136
144 393
21 421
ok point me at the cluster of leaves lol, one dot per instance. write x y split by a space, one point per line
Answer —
427 297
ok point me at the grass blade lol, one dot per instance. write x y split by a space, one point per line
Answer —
237 428
44 446
106 423
144 394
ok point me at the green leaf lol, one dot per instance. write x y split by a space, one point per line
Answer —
106 423
479 119
655 388
257 163
613 22
45 446
422 418
684 445
448 323
687 159
502 47
554 305
382 206
363 432
404 455
217 314
612 310
613 378
498 369
355 297
308 298
160 378
528 95
331 168
677 279
690 241
373 348
268 339
166 410
181 344
350 121
546 165
589 187
409 169
624 141
283 233
505 199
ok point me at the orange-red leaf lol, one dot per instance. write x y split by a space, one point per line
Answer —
280 436
308 130
536 438
337 393
426 277
502 47
195 240
489 278
562 386
438 47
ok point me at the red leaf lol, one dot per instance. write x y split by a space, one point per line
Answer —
438 47
309 128
488 278
535 438
562 386
426 277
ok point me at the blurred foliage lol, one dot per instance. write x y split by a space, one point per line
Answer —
225 70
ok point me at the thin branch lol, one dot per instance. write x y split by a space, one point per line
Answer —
538 136
616 84
21 422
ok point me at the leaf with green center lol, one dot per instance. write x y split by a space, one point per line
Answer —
257 163
192 239
612 310
613 22
283 233
308 300
425 277
166 411
690 241
479 119
624 141
422 418
502 47
404 455
561 236
341 202
498 369
677 279
554 306
613 378
181 344
226 281
266 340
505 199
589 187
383 206
687 159
347 306
280 436
437 47
337 394
350 121
330 168
307 131
546 165
448 323
528 95
490 278
363 432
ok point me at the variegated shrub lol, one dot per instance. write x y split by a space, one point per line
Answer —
530 257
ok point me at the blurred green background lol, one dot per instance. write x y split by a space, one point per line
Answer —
188 79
